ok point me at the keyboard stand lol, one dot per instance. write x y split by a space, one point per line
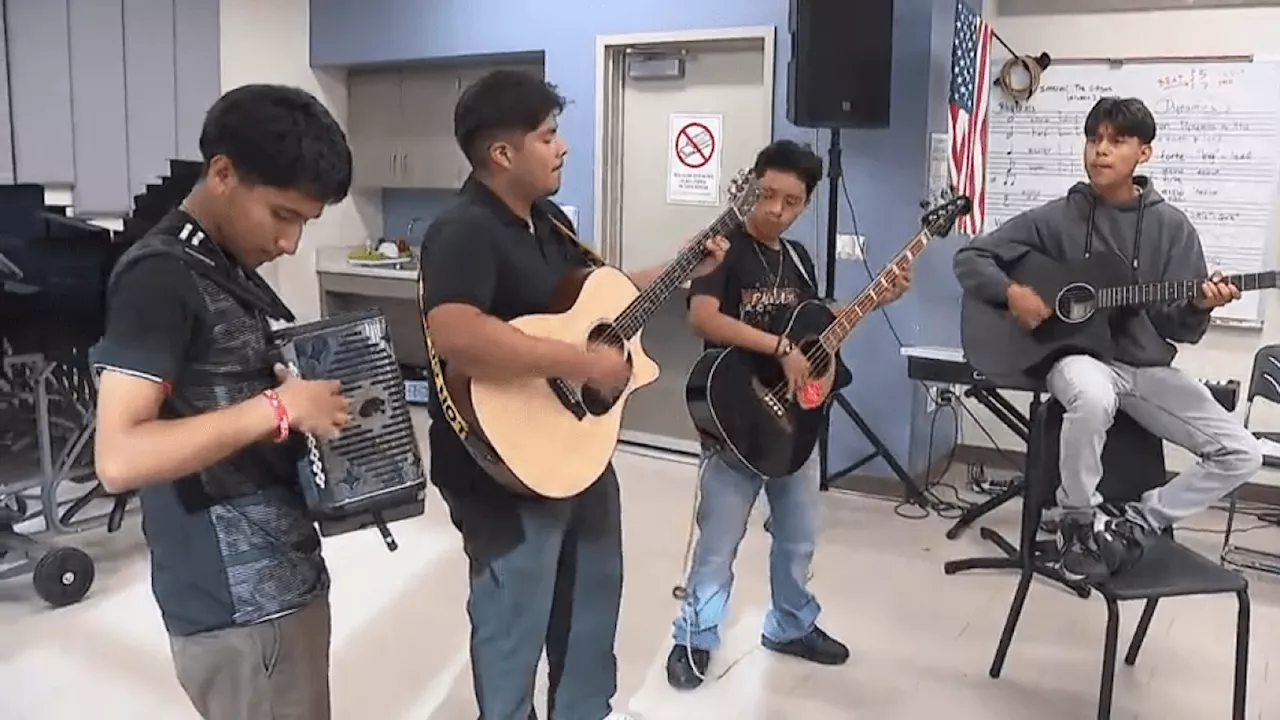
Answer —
1011 417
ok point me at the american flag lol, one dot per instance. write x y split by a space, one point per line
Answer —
970 86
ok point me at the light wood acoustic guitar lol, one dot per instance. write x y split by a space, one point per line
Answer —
551 437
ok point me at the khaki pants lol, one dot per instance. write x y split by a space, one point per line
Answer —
274 670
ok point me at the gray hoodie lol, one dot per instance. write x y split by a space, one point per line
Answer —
1169 250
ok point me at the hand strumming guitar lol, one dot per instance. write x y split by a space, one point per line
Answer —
607 369
795 365
1027 306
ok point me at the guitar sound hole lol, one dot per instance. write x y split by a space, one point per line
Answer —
1076 303
595 401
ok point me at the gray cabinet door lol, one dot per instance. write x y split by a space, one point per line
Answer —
96 30
40 91
431 155
374 128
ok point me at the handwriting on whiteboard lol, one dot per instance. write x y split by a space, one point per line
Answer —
1216 155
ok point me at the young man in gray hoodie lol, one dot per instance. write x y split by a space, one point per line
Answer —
1119 213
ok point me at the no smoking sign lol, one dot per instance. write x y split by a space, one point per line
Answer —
693 163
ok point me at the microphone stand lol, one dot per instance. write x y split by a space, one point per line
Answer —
915 493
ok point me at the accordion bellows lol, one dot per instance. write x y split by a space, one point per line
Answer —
372 474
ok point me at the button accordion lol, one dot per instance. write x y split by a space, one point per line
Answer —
372 473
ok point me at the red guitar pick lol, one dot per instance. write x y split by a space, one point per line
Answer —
811 395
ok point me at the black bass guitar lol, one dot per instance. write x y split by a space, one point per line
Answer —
1085 296
739 400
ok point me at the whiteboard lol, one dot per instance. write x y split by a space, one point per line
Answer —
1216 155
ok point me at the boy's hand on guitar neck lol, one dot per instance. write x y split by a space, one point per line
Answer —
1027 306
1216 292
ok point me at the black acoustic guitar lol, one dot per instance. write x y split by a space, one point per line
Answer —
739 400
1087 296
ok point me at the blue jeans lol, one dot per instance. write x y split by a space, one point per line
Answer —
724 507
544 574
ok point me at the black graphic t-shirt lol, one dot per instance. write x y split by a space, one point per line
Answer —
757 284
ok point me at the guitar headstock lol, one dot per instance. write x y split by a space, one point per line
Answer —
744 193
939 220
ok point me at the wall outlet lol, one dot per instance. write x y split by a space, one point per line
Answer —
850 247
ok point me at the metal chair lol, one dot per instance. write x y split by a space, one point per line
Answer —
1133 462
1264 382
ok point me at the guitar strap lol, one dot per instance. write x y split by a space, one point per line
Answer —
476 445
795 258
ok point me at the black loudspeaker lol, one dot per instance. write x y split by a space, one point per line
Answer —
841 63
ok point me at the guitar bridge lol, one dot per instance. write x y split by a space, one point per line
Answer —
568 397
772 404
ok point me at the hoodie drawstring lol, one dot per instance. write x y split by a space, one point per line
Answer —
1137 240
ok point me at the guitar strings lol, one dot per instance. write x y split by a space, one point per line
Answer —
853 313
634 316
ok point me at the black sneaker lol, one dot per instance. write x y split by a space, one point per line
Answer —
687 667
1084 552
1133 532
817 647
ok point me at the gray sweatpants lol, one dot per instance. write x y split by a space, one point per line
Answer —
1169 404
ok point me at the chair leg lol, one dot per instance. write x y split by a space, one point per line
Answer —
1011 623
1140 633
1109 650
1242 657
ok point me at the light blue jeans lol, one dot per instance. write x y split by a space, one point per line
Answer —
724 508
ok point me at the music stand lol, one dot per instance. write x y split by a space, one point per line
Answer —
915 492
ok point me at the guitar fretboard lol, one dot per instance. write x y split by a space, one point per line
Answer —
634 317
879 288
1173 290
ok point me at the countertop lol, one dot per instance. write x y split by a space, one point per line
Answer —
334 260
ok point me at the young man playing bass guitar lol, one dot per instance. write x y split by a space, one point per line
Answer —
762 276
1116 212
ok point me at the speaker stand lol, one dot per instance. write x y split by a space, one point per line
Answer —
915 492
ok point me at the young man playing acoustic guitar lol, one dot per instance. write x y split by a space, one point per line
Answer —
1118 212
763 276
544 573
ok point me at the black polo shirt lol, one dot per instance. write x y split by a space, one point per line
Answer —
479 252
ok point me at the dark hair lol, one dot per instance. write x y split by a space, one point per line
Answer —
280 137
1128 117
501 102
790 156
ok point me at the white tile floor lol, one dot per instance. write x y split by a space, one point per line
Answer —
921 641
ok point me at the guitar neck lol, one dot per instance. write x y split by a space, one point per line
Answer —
634 317
1174 290
879 288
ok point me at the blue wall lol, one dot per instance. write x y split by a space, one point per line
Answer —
885 169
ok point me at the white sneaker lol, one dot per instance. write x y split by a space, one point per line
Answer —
615 715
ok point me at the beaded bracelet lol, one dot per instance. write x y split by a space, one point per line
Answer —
282 415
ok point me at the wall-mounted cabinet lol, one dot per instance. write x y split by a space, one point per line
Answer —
401 129
401 125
